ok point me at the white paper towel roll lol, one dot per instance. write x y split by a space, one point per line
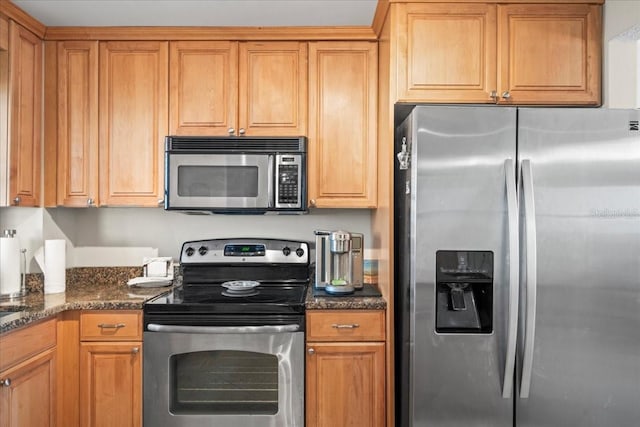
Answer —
53 264
9 265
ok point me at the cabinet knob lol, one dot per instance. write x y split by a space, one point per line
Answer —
506 94
311 351
231 131
160 202
90 202
135 350
6 382
241 131
312 202
17 201
494 95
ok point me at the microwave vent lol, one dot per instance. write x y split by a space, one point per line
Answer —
236 144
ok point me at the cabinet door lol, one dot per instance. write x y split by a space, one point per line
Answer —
77 123
446 52
25 116
203 87
29 398
550 54
342 126
133 122
273 89
345 385
110 384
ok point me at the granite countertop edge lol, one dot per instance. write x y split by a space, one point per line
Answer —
343 302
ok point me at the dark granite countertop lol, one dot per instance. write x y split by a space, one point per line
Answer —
344 302
87 288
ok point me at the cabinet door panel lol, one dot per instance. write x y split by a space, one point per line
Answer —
77 123
342 126
30 399
133 121
447 52
25 116
203 95
345 384
549 54
273 88
111 384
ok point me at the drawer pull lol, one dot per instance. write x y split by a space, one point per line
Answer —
135 350
111 325
6 382
345 326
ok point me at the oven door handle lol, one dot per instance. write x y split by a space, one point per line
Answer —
269 329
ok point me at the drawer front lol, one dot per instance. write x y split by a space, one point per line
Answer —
26 342
113 325
345 325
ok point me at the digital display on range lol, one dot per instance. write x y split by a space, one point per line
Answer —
244 250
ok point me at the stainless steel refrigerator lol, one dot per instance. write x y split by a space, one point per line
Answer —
517 267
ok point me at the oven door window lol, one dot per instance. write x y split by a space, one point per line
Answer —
222 382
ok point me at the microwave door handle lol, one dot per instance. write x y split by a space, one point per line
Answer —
269 329
270 181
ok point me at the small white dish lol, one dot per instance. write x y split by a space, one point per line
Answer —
240 285
149 282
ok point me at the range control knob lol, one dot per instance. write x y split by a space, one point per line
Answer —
189 251
286 251
299 252
202 250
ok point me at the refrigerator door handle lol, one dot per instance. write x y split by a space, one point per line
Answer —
513 280
530 274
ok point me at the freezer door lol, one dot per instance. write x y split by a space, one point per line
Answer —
456 192
585 170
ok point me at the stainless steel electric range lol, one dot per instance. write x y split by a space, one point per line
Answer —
226 347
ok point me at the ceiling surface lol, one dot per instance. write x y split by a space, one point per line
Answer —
218 13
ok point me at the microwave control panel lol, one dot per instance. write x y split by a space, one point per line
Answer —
288 175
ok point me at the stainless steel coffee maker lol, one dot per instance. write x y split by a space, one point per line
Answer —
339 261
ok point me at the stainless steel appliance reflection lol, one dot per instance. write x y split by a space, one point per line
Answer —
226 348
517 286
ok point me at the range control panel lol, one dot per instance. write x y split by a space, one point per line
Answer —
249 250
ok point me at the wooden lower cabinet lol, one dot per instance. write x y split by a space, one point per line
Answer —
27 376
111 384
110 368
345 369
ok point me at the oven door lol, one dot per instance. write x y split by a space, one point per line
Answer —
208 181
245 376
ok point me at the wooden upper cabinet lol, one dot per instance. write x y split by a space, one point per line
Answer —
77 108
550 54
343 127
238 88
273 88
203 87
446 52
133 121
25 116
499 53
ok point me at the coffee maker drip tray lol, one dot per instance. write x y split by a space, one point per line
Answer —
367 291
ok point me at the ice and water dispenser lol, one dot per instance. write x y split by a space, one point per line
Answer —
464 292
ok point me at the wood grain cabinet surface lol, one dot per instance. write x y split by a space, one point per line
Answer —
499 53
343 88
110 368
238 88
27 376
345 368
112 116
24 118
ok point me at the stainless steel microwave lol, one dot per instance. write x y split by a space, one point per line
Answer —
236 174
